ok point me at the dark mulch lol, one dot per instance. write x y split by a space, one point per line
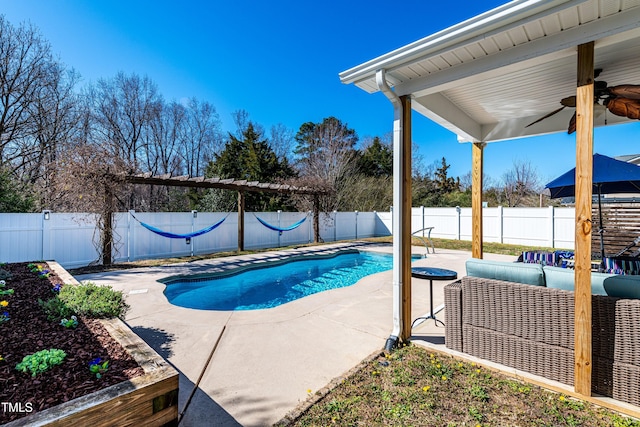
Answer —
29 331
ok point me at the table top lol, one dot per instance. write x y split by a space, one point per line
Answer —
433 273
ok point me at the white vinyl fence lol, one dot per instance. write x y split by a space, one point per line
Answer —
72 238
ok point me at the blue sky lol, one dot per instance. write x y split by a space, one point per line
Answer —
279 61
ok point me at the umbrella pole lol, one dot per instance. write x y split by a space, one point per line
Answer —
600 230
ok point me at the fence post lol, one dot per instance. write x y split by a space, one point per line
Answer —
552 237
335 225
423 223
194 215
375 222
130 237
459 211
309 225
500 220
46 235
391 212
279 226
356 225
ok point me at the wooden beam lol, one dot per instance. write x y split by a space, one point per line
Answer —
405 227
224 184
240 221
477 153
584 179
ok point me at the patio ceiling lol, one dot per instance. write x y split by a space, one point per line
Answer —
487 78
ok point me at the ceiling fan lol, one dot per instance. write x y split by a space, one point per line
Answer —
621 100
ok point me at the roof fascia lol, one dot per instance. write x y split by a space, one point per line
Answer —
493 21
553 47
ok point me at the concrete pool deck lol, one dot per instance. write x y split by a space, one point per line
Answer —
268 361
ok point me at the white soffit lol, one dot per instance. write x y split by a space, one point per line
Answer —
489 77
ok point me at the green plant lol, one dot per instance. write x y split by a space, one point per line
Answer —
72 322
41 361
475 413
91 300
98 367
5 291
55 309
479 392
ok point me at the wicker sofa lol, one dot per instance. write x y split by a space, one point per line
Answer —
531 328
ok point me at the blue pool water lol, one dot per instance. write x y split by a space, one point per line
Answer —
266 287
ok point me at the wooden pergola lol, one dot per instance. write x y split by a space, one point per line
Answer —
486 79
232 184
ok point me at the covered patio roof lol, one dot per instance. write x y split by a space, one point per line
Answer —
487 78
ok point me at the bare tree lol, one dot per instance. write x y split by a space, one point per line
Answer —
166 132
57 115
326 150
520 185
123 109
281 141
25 69
241 120
202 137
326 154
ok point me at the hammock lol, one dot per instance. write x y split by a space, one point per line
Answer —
280 229
179 236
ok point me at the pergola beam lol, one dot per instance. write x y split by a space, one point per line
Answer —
224 184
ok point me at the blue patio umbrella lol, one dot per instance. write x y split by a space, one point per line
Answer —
609 176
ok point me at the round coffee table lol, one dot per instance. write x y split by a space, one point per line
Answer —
432 273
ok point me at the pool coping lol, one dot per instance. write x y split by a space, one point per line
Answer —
232 270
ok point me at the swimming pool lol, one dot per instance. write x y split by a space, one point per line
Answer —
270 286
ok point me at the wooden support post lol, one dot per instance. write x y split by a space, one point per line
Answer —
107 221
477 166
316 218
405 227
583 193
240 221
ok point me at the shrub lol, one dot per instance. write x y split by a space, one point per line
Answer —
55 309
91 300
41 361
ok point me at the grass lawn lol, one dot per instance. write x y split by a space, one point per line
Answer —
415 387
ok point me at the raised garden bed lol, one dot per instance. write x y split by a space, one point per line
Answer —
139 387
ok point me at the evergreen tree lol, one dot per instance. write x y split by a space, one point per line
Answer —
14 196
444 183
252 158
376 159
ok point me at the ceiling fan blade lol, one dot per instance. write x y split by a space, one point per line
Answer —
624 107
545 117
626 91
572 124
